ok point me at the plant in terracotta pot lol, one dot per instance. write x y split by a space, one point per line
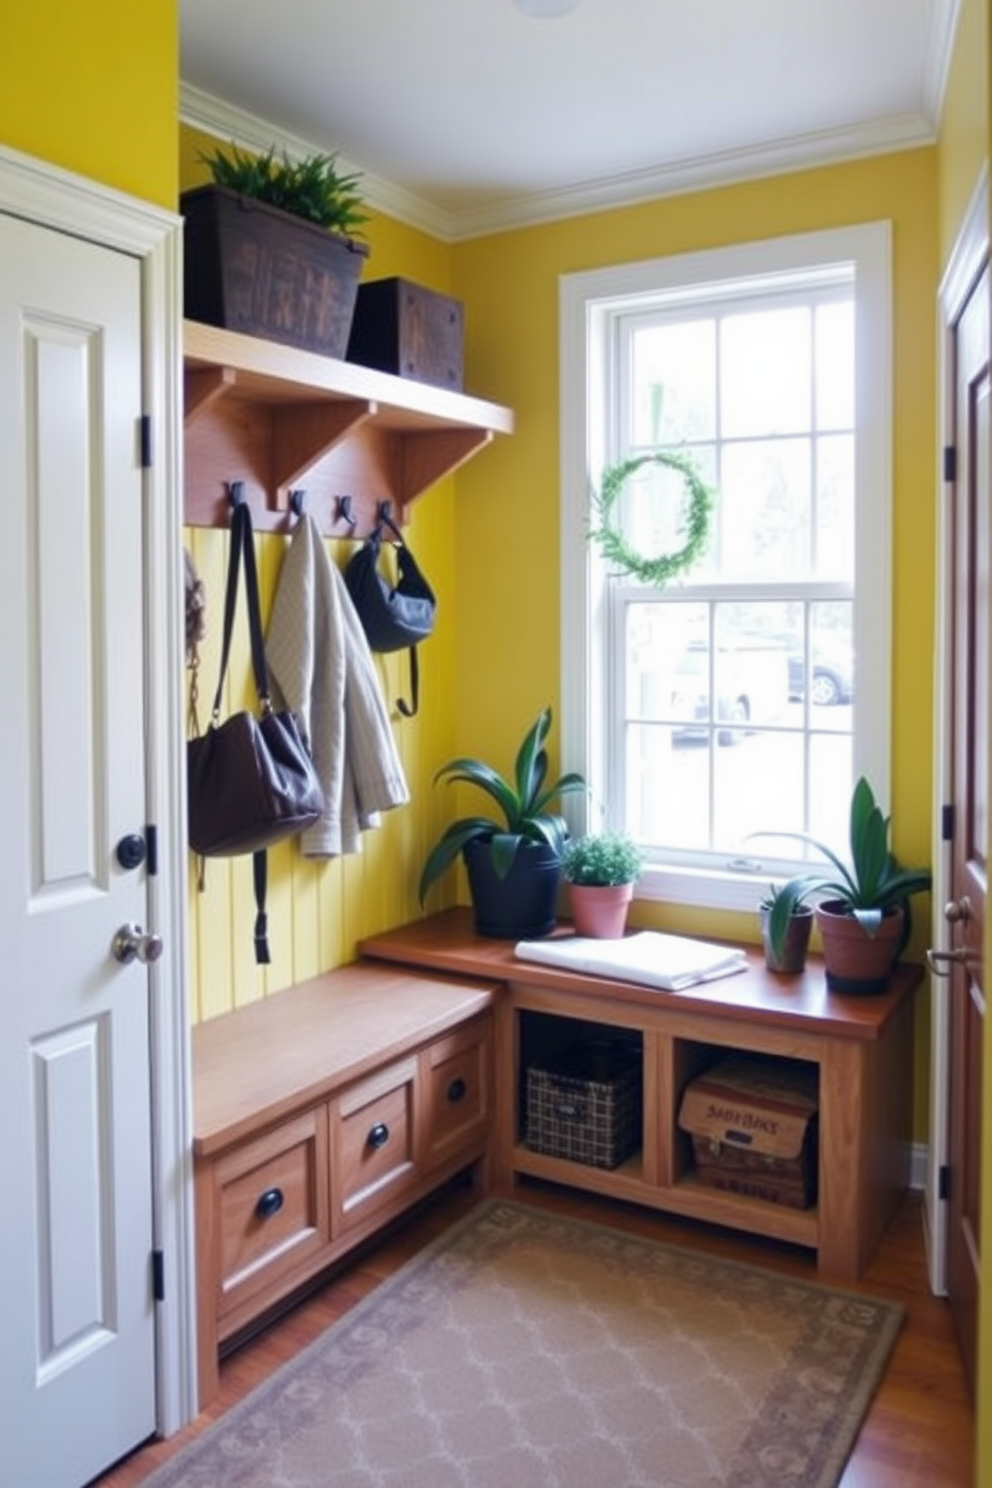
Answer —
271 248
514 861
864 916
600 870
786 925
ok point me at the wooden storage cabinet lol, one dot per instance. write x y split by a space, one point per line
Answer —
319 1115
861 1048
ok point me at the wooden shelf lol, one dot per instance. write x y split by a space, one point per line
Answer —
279 420
861 1047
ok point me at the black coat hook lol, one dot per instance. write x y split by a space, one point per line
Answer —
236 492
344 511
298 502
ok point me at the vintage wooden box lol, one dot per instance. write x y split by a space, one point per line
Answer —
403 328
251 268
753 1124
584 1103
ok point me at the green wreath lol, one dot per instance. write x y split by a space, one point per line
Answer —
617 549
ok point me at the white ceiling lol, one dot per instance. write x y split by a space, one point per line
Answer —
465 116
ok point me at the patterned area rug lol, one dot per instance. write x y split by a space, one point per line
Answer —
524 1350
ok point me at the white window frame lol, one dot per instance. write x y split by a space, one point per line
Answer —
587 304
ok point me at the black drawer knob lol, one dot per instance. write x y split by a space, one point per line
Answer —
379 1135
269 1203
457 1090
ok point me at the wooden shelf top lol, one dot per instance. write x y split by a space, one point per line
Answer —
269 1058
265 371
448 942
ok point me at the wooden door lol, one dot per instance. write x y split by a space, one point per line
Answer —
972 614
77 1362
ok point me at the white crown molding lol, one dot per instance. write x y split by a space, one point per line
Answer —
939 53
249 132
826 147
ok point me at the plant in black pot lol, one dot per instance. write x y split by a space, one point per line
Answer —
513 863
864 916
271 248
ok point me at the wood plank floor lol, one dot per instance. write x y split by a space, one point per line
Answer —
919 1432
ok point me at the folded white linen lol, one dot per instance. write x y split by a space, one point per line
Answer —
648 957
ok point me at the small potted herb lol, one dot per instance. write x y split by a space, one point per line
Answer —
271 248
600 870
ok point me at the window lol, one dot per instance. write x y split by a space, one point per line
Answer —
747 695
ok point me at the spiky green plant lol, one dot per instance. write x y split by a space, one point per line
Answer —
524 805
871 884
312 188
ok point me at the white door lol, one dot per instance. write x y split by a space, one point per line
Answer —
77 1360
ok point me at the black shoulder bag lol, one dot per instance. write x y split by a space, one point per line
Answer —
250 781
392 617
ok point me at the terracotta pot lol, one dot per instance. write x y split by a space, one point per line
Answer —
853 960
796 944
600 910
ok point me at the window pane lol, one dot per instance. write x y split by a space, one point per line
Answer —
674 379
666 789
759 787
834 534
835 366
764 509
765 376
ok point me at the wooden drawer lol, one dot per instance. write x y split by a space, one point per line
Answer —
271 1206
457 1085
373 1137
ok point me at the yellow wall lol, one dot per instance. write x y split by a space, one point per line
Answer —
94 88
507 661
318 910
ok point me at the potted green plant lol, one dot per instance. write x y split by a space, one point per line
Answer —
513 863
864 918
271 248
786 925
600 870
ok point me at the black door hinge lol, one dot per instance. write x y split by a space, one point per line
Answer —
944 1182
158 1276
950 463
947 823
151 843
145 424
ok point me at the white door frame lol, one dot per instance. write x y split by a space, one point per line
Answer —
46 195
967 259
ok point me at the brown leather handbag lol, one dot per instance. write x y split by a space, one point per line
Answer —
250 780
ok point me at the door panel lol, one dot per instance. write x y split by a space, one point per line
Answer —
970 704
77 1382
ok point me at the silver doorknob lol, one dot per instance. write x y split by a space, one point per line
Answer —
961 956
131 943
958 910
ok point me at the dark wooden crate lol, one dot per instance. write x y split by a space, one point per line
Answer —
403 328
584 1104
254 269
753 1124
